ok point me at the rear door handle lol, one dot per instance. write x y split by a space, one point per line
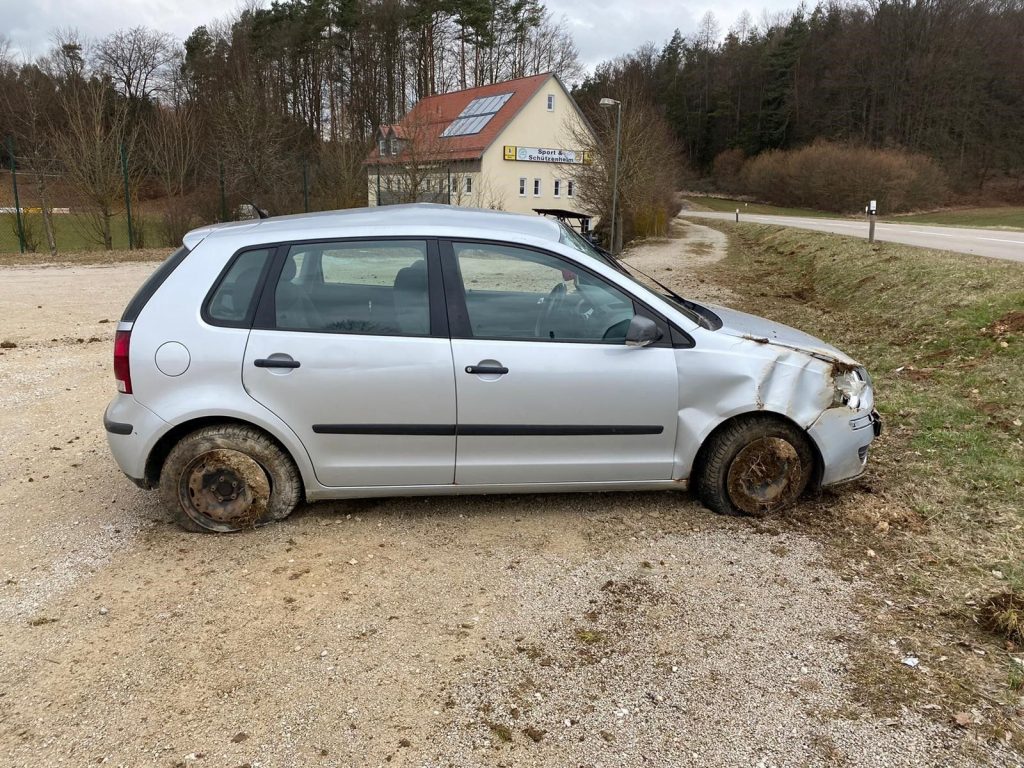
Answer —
274 362
498 369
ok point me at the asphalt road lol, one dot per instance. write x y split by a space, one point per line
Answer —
994 243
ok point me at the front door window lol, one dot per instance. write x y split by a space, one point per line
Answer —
515 293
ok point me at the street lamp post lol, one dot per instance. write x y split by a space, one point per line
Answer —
606 102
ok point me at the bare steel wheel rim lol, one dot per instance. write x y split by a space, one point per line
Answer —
224 490
767 474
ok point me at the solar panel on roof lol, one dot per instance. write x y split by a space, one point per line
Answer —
477 114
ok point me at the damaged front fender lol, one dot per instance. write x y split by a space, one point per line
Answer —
736 376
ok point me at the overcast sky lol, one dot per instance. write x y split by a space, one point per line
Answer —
602 28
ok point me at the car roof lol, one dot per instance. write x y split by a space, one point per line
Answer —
426 219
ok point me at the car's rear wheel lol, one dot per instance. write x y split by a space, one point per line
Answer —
754 466
229 477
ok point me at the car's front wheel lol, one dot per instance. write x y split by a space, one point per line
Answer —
754 466
228 477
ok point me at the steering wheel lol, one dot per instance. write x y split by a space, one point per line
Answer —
552 304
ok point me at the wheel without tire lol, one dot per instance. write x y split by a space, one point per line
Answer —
755 466
228 477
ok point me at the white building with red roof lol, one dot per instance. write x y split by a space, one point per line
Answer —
508 146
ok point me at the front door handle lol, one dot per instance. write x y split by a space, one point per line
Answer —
485 369
274 362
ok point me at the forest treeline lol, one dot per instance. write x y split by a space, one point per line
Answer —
941 78
279 104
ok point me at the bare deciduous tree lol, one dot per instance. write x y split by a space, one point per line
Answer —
255 145
648 168
341 178
96 127
414 167
174 149
27 109
137 60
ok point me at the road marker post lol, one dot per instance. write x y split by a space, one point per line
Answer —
737 215
872 213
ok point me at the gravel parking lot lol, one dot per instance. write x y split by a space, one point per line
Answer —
583 630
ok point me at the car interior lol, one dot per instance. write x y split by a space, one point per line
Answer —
355 291
510 294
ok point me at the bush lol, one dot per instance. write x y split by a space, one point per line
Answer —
31 225
727 167
842 178
177 219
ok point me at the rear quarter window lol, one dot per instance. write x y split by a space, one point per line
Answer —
232 302
152 284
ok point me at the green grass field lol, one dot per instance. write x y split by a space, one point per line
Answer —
1004 217
728 205
73 233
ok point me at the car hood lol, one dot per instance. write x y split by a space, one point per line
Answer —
754 328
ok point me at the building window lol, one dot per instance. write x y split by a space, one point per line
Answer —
469 185
522 187
551 102
394 146
570 188
536 187
382 147
558 187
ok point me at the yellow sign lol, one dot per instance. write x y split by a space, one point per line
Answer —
510 153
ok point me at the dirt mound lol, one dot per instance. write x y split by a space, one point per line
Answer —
1011 322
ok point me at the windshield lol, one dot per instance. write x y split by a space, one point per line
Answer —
699 314
571 237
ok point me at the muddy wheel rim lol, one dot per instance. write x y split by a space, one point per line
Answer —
224 490
765 476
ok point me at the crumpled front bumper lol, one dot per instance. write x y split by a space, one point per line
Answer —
843 437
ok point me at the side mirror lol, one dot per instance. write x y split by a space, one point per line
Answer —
642 331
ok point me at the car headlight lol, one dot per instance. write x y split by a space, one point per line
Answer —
849 387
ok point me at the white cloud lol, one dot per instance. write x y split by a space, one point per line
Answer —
604 29
29 25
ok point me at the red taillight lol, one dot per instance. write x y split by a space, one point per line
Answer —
122 370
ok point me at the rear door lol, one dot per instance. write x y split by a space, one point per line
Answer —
547 390
350 347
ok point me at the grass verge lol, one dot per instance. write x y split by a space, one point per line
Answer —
729 205
1002 217
939 517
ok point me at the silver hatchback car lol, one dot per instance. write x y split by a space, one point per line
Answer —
415 350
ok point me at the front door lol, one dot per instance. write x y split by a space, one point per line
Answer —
350 348
547 390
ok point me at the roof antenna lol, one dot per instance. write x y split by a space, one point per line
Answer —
260 212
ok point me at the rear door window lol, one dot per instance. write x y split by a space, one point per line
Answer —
367 287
